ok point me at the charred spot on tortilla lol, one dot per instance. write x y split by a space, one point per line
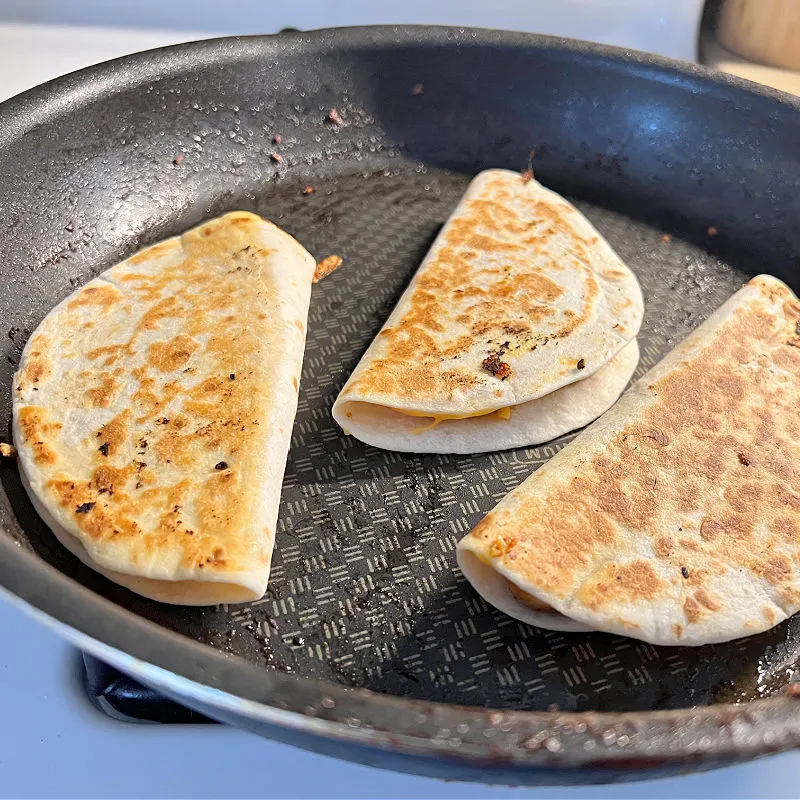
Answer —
494 366
84 508
581 363
104 448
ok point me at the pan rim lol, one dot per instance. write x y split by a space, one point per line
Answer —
244 687
768 725
54 94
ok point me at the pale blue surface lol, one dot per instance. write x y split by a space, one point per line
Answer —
54 744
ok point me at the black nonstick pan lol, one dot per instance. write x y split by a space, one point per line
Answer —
369 644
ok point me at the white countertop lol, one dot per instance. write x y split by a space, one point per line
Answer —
53 743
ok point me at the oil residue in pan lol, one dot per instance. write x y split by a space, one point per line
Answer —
364 587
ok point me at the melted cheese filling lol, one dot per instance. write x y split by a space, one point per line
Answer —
529 600
524 597
436 419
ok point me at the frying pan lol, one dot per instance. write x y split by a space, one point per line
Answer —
369 644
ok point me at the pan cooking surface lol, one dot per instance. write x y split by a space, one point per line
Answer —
364 588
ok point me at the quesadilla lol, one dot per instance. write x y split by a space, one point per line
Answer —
518 297
153 408
675 518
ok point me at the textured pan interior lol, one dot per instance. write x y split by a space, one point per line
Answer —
364 589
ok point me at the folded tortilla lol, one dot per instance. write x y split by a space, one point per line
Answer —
153 409
675 518
534 422
518 297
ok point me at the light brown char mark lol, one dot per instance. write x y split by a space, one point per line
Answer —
105 392
116 432
103 297
39 433
172 355
625 583
38 365
325 267
105 509
156 251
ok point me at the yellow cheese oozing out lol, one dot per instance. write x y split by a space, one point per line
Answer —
499 413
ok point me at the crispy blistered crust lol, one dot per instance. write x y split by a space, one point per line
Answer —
675 518
153 407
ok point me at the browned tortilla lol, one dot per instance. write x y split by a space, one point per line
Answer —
518 297
675 518
153 410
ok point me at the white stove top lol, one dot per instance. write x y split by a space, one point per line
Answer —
53 743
